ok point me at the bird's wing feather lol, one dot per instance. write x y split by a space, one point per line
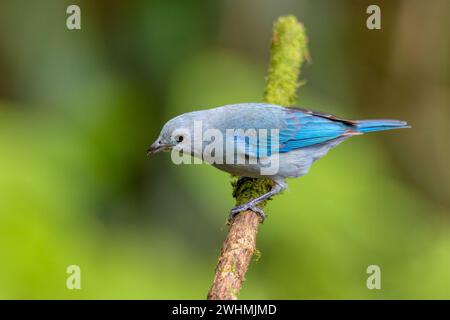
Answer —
304 128
298 128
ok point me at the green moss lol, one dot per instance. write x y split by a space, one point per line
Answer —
288 52
250 189
233 267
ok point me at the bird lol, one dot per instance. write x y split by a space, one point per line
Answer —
261 133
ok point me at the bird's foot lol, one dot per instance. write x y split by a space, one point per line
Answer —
244 207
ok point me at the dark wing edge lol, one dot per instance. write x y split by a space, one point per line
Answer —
324 115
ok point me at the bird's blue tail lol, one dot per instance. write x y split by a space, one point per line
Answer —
379 125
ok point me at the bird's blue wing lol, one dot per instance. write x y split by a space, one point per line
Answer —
297 128
304 128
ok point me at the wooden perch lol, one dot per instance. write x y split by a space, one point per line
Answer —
288 52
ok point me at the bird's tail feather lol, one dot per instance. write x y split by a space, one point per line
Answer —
379 125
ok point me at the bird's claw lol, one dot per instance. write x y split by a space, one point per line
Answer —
244 207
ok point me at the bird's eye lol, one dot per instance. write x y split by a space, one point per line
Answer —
179 138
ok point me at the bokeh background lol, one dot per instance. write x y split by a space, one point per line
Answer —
79 108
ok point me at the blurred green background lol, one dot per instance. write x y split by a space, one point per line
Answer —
79 108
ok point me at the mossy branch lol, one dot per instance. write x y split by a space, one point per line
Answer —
288 52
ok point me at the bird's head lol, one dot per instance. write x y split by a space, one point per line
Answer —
175 134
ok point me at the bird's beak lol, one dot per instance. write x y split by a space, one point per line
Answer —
156 147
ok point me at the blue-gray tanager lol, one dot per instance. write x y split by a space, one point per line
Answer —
254 140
